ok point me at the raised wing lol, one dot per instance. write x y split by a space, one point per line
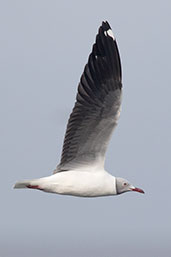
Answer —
97 106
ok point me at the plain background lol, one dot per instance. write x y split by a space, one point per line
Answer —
44 46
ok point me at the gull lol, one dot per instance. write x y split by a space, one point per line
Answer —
95 115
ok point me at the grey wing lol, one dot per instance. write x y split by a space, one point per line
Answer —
97 106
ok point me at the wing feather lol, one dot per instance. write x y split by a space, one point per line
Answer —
97 106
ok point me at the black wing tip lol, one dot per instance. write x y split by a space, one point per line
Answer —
105 25
106 29
103 39
106 45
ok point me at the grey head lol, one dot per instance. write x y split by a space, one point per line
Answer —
122 186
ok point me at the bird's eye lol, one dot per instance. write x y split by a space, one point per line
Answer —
125 184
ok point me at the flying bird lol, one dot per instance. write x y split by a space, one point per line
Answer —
95 115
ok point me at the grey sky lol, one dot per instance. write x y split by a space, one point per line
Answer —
44 46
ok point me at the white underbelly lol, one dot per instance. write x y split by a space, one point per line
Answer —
86 184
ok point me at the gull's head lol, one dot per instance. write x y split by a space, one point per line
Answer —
122 186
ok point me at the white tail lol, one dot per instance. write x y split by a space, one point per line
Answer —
22 184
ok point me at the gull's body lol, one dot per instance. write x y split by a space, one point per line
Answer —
95 114
76 183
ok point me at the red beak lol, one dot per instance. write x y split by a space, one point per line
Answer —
139 190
